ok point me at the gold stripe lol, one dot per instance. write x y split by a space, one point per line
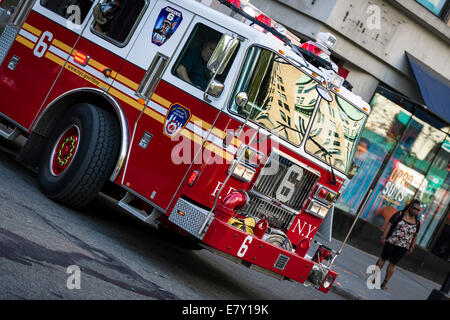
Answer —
55 59
154 115
86 76
219 151
97 65
208 145
62 46
136 105
25 42
216 131
133 85
158 99
32 29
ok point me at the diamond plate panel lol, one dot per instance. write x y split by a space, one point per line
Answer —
189 217
6 40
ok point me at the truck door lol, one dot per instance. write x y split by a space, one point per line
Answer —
47 32
177 115
104 45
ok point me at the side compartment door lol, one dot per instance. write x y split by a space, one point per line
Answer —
172 128
37 56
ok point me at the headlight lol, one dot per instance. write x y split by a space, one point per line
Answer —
242 172
327 282
318 209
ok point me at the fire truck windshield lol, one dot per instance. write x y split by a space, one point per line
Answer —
281 97
335 131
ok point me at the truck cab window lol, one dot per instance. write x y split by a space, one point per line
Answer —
73 10
115 19
191 64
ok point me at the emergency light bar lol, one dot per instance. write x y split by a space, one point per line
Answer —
249 13
278 31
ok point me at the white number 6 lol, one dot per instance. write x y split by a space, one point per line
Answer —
244 247
41 47
286 189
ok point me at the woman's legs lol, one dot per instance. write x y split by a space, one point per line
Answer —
389 272
380 264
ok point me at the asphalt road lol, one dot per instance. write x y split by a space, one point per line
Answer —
43 245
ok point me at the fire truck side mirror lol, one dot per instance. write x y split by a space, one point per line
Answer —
324 93
215 88
222 54
241 100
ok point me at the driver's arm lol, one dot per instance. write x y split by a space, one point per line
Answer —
183 74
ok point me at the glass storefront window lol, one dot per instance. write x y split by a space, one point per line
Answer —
434 195
406 169
384 127
404 153
435 6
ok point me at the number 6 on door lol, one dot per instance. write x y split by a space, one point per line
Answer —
244 247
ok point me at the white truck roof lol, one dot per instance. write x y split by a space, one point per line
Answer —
219 14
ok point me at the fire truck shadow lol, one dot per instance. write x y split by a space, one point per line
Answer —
177 259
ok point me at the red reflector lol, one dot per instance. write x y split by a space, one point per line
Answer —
322 193
236 3
81 58
193 177
264 19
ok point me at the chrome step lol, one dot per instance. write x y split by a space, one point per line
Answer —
124 203
10 135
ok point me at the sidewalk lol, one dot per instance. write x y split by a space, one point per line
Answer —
352 264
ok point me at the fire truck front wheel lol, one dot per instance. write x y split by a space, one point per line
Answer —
80 155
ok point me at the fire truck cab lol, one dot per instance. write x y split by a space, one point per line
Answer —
201 115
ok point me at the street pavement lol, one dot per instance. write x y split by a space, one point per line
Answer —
352 266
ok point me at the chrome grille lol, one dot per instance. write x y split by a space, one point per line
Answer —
281 190
275 215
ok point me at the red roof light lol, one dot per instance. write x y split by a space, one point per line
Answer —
264 19
236 3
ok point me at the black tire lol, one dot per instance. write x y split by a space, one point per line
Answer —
91 163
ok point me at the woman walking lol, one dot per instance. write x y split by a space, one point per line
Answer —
399 238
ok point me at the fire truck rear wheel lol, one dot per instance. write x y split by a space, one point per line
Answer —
80 155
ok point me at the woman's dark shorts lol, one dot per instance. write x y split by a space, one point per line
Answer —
393 253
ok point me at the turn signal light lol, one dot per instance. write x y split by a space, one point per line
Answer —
193 177
326 195
81 58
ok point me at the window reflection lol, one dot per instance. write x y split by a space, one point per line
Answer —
433 193
281 97
335 130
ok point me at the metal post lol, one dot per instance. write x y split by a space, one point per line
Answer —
351 229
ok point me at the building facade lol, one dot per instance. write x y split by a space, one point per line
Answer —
397 57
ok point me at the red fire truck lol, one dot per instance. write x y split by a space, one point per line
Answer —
206 117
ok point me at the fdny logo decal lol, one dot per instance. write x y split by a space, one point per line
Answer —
176 119
166 24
